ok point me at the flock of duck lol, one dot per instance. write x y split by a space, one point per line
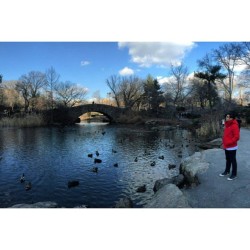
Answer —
97 160
95 169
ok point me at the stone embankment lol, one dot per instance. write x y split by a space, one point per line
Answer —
169 194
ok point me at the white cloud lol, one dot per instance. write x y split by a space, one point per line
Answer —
164 79
126 71
239 68
161 54
190 76
167 79
85 63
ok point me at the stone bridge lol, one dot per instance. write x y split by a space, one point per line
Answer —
71 115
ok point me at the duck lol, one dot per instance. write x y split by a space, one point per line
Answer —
152 164
90 155
28 186
22 179
141 189
97 160
136 159
95 169
97 153
116 165
114 151
73 183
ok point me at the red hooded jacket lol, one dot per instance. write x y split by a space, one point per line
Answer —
231 134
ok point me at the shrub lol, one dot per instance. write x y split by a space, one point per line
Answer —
247 116
209 130
130 119
26 121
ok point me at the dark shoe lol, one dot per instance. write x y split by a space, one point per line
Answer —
224 174
232 177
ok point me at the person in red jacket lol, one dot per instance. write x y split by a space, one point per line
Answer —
230 138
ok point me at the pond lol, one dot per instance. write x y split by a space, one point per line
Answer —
50 157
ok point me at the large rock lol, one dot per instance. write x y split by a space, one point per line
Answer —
193 165
169 196
124 203
176 180
216 143
45 204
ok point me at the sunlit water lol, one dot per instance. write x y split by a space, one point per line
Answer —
50 157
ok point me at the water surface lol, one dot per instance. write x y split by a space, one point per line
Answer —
50 157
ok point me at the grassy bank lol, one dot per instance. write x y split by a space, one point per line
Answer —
210 129
23 122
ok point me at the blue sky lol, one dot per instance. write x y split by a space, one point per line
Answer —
89 64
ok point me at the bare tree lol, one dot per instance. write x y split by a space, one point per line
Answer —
126 91
70 94
245 50
244 78
177 83
246 97
29 86
229 56
243 84
37 80
131 90
113 83
12 97
23 87
52 79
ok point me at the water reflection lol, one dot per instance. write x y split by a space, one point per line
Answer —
50 157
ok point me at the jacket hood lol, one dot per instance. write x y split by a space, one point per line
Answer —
231 122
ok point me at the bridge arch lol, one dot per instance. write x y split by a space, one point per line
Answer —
99 114
72 114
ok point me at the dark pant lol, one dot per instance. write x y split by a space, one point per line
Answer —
231 160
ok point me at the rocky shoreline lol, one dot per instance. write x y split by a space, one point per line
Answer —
170 195
169 191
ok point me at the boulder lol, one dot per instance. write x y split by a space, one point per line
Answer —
169 196
124 203
193 165
81 206
176 180
216 143
45 204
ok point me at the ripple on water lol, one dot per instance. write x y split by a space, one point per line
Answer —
50 157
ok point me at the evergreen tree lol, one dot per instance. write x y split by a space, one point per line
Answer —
153 96
209 76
